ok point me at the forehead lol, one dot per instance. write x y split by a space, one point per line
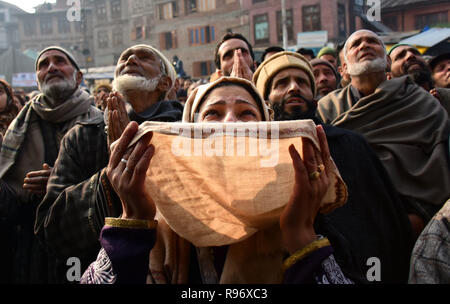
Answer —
230 93
402 48
322 67
139 51
362 35
295 72
52 54
232 44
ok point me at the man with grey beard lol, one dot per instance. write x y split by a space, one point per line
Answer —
405 125
29 151
80 194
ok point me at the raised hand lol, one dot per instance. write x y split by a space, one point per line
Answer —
117 117
126 172
311 184
240 68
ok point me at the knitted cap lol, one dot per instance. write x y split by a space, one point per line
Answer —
60 49
327 50
397 45
277 62
318 61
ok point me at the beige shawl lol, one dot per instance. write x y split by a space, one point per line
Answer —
407 128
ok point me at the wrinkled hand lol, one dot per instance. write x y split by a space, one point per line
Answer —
240 68
117 117
298 216
126 172
36 181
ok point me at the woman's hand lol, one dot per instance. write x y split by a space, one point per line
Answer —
126 172
311 184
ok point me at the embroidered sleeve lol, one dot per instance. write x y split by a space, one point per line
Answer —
100 271
331 273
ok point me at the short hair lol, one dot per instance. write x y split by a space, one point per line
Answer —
303 51
228 36
271 49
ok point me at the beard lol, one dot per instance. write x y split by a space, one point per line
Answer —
366 67
126 83
421 77
280 113
59 91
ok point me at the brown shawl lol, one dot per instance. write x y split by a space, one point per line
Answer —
407 128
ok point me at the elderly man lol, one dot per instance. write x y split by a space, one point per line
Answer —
404 124
407 60
373 222
80 194
234 57
30 148
325 76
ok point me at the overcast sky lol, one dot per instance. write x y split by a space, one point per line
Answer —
28 5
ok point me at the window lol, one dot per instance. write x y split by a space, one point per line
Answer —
116 8
2 17
342 21
29 27
168 10
102 38
201 35
431 19
168 40
257 1
193 6
203 68
311 18
63 25
289 26
100 9
391 22
261 28
117 37
46 26
206 5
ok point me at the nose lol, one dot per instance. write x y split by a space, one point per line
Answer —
131 59
230 117
410 55
293 87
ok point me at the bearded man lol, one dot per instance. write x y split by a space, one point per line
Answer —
407 60
80 195
406 126
373 222
29 150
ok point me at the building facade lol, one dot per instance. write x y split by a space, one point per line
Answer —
410 15
9 26
49 25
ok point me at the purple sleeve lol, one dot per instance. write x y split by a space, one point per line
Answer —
124 257
319 267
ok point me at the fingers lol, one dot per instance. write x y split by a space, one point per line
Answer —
138 152
325 151
301 175
309 156
124 141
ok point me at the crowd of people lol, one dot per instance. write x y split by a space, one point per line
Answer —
74 176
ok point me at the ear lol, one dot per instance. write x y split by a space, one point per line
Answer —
165 83
79 77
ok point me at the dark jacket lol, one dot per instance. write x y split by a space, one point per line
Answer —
79 197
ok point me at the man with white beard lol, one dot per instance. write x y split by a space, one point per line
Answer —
28 153
406 126
79 194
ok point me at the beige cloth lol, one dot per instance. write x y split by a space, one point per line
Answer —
220 200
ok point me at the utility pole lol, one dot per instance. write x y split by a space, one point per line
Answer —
283 23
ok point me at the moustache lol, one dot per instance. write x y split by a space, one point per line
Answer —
407 65
55 74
